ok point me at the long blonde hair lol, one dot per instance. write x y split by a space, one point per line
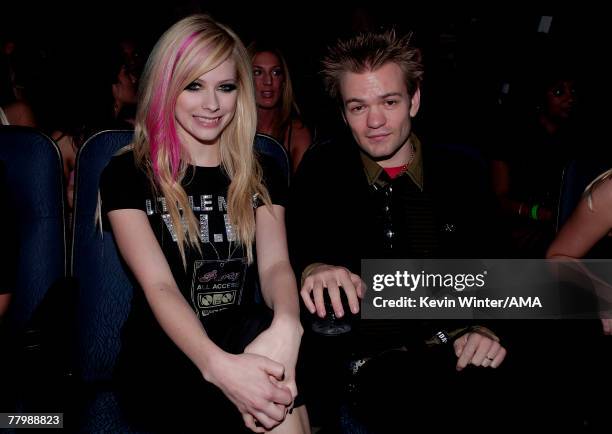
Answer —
190 48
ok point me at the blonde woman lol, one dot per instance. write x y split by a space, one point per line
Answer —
191 210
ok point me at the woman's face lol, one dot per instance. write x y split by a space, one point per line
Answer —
269 79
207 105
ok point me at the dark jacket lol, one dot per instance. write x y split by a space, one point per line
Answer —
337 216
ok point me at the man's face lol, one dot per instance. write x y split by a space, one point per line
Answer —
561 100
378 109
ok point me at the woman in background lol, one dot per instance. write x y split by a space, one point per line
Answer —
277 112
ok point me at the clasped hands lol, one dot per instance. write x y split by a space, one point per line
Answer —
260 382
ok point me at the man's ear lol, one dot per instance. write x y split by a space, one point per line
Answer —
415 102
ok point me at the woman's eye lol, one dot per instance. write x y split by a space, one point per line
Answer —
257 72
277 72
194 85
228 87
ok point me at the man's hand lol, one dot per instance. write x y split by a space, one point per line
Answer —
479 349
331 277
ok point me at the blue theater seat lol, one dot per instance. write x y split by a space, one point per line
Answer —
33 269
32 179
104 289
271 147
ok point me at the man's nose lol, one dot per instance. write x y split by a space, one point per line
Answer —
376 118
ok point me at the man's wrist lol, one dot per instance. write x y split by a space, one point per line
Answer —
484 331
308 270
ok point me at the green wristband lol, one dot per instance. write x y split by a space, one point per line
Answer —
534 211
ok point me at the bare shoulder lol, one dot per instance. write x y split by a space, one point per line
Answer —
301 133
20 113
67 145
299 125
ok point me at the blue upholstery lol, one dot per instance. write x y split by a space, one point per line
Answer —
269 146
576 176
105 291
32 177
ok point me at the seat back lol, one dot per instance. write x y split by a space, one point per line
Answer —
104 286
32 179
268 145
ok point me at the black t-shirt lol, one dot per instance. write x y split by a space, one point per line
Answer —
214 279
217 283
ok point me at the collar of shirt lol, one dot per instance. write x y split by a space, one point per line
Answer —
374 171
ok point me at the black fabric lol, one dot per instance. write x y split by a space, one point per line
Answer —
36 364
336 217
332 205
421 390
159 383
172 396
204 283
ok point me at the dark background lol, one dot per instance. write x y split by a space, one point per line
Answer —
469 54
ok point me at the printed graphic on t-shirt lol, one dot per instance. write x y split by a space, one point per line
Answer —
203 206
217 284
216 277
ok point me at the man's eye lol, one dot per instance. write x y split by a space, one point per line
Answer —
390 102
357 108
194 85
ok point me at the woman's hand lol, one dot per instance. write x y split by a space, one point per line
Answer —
253 384
281 343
